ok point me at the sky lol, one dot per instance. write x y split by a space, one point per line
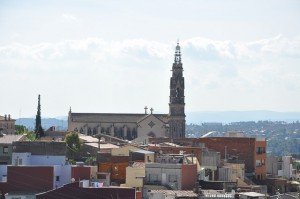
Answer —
115 56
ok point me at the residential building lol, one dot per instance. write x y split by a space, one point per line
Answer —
250 150
7 125
135 174
39 153
173 171
41 166
139 155
287 166
237 171
6 147
210 160
171 148
281 166
69 191
225 174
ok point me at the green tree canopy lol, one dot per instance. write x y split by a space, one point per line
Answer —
73 141
21 129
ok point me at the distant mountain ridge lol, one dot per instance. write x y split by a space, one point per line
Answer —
61 122
240 116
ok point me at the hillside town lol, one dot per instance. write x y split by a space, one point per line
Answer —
141 155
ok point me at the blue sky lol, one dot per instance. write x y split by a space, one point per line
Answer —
116 56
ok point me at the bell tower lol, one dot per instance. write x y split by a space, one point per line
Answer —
177 104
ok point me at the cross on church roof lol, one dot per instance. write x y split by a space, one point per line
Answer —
151 109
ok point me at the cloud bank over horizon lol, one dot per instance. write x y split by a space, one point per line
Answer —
100 75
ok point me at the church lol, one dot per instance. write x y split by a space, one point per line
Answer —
130 126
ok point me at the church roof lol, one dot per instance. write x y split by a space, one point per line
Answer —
161 117
112 117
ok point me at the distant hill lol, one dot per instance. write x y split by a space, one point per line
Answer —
238 116
61 122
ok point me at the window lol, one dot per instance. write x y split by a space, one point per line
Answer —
260 150
5 150
172 178
153 177
57 178
18 161
258 163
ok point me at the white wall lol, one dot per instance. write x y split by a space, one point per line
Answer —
21 159
64 173
38 160
3 172
287 166
47 160
225 174
167 170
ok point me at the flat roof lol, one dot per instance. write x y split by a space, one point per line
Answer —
252 194
178 193
94 142
141 151
9 139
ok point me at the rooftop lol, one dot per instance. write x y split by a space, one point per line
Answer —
252 194
108 117
138 165
93 142
9 139
178 193
141 151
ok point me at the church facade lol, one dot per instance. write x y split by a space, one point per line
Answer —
133 125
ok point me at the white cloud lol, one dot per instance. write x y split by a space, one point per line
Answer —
68 17
93 69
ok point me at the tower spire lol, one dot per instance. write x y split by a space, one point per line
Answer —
177 104
177 59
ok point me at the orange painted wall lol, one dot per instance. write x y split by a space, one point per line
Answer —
117 170
189 176
80 173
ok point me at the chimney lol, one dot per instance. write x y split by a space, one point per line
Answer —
5 117
8 116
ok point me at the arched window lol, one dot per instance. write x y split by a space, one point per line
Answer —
89 131
129 137
134 134
95 131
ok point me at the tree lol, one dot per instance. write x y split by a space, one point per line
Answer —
22 130
39 131
73 144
